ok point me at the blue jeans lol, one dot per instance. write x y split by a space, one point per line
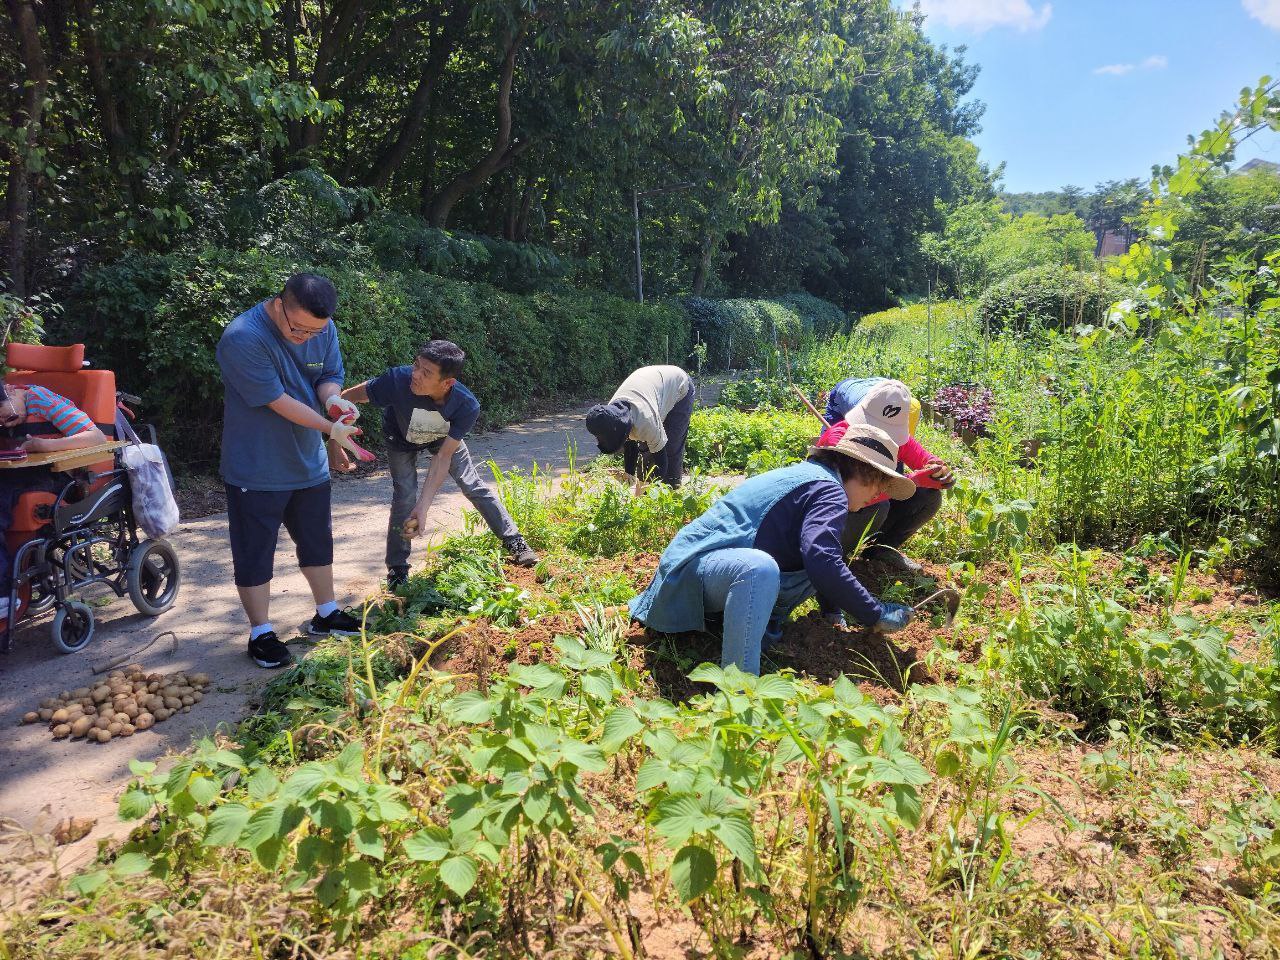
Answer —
747 586
404 494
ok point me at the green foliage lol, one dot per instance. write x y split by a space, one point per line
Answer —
742 333
403 242
723 440
1075 647
980 245
1048 297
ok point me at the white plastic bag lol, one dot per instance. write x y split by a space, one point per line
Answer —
154 507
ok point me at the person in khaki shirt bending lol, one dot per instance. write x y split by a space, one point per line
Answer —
648 419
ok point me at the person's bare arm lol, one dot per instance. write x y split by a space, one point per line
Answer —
85 438
440 461
295 411
357 394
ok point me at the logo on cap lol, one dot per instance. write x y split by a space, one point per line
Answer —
890 411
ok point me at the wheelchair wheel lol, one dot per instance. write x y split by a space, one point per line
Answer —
153 577
72 626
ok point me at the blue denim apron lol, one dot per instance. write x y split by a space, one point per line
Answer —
673 601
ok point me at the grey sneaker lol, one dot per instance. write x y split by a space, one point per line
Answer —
894 559
521 553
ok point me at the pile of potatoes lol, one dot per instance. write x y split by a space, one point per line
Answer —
127 701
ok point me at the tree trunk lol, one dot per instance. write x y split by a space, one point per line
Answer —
396 147
27 119
114 131
526 208
501 156
702 273
336 35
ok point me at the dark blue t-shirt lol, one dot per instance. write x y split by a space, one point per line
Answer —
802 530
414 422
261 450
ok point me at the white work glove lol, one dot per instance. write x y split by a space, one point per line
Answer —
342 434
340 408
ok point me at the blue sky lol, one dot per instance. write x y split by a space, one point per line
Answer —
1079 91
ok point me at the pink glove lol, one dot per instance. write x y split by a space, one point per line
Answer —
343 433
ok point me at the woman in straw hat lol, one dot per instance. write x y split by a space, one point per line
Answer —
772 543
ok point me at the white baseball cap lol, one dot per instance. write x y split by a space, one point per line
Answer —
886 406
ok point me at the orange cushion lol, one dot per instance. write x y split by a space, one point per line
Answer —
35 356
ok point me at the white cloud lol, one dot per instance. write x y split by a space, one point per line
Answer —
1155 62
1266 11
982 15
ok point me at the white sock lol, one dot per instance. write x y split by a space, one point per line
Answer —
259 630
324 609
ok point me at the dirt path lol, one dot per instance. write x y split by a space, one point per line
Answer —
43 780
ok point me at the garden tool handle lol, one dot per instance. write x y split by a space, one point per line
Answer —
812 409
948 594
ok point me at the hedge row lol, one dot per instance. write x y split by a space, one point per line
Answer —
156 319
738 333
1049 297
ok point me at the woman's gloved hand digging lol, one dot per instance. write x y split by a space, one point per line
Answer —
896 617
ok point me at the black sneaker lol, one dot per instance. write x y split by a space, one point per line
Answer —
521 553
892 558
337 624
268 652
397 579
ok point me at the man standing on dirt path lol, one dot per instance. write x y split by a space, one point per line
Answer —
281 367
648 419
426 409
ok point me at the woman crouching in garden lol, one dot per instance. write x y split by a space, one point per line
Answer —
772 543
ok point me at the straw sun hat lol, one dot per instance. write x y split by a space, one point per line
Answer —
871 445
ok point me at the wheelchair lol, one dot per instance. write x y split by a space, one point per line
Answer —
85 534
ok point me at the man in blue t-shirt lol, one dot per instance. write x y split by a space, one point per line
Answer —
281 368
426 409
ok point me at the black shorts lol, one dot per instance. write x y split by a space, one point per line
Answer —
254 518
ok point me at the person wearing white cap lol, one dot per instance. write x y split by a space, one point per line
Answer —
773 542
887 525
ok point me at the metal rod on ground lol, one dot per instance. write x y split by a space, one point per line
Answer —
126 657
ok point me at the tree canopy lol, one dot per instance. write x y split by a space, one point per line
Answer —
767 144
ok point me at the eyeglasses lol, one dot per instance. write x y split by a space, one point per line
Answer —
304 333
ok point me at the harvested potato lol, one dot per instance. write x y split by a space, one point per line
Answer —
113 727
80 692
186 709
187 700
81 727
59 715
145 721
61 731
46 713
100 694
163 714
65 695
120 718
200 678
197 696
130 709
102 721
30 717
126 729
172 703
104 736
